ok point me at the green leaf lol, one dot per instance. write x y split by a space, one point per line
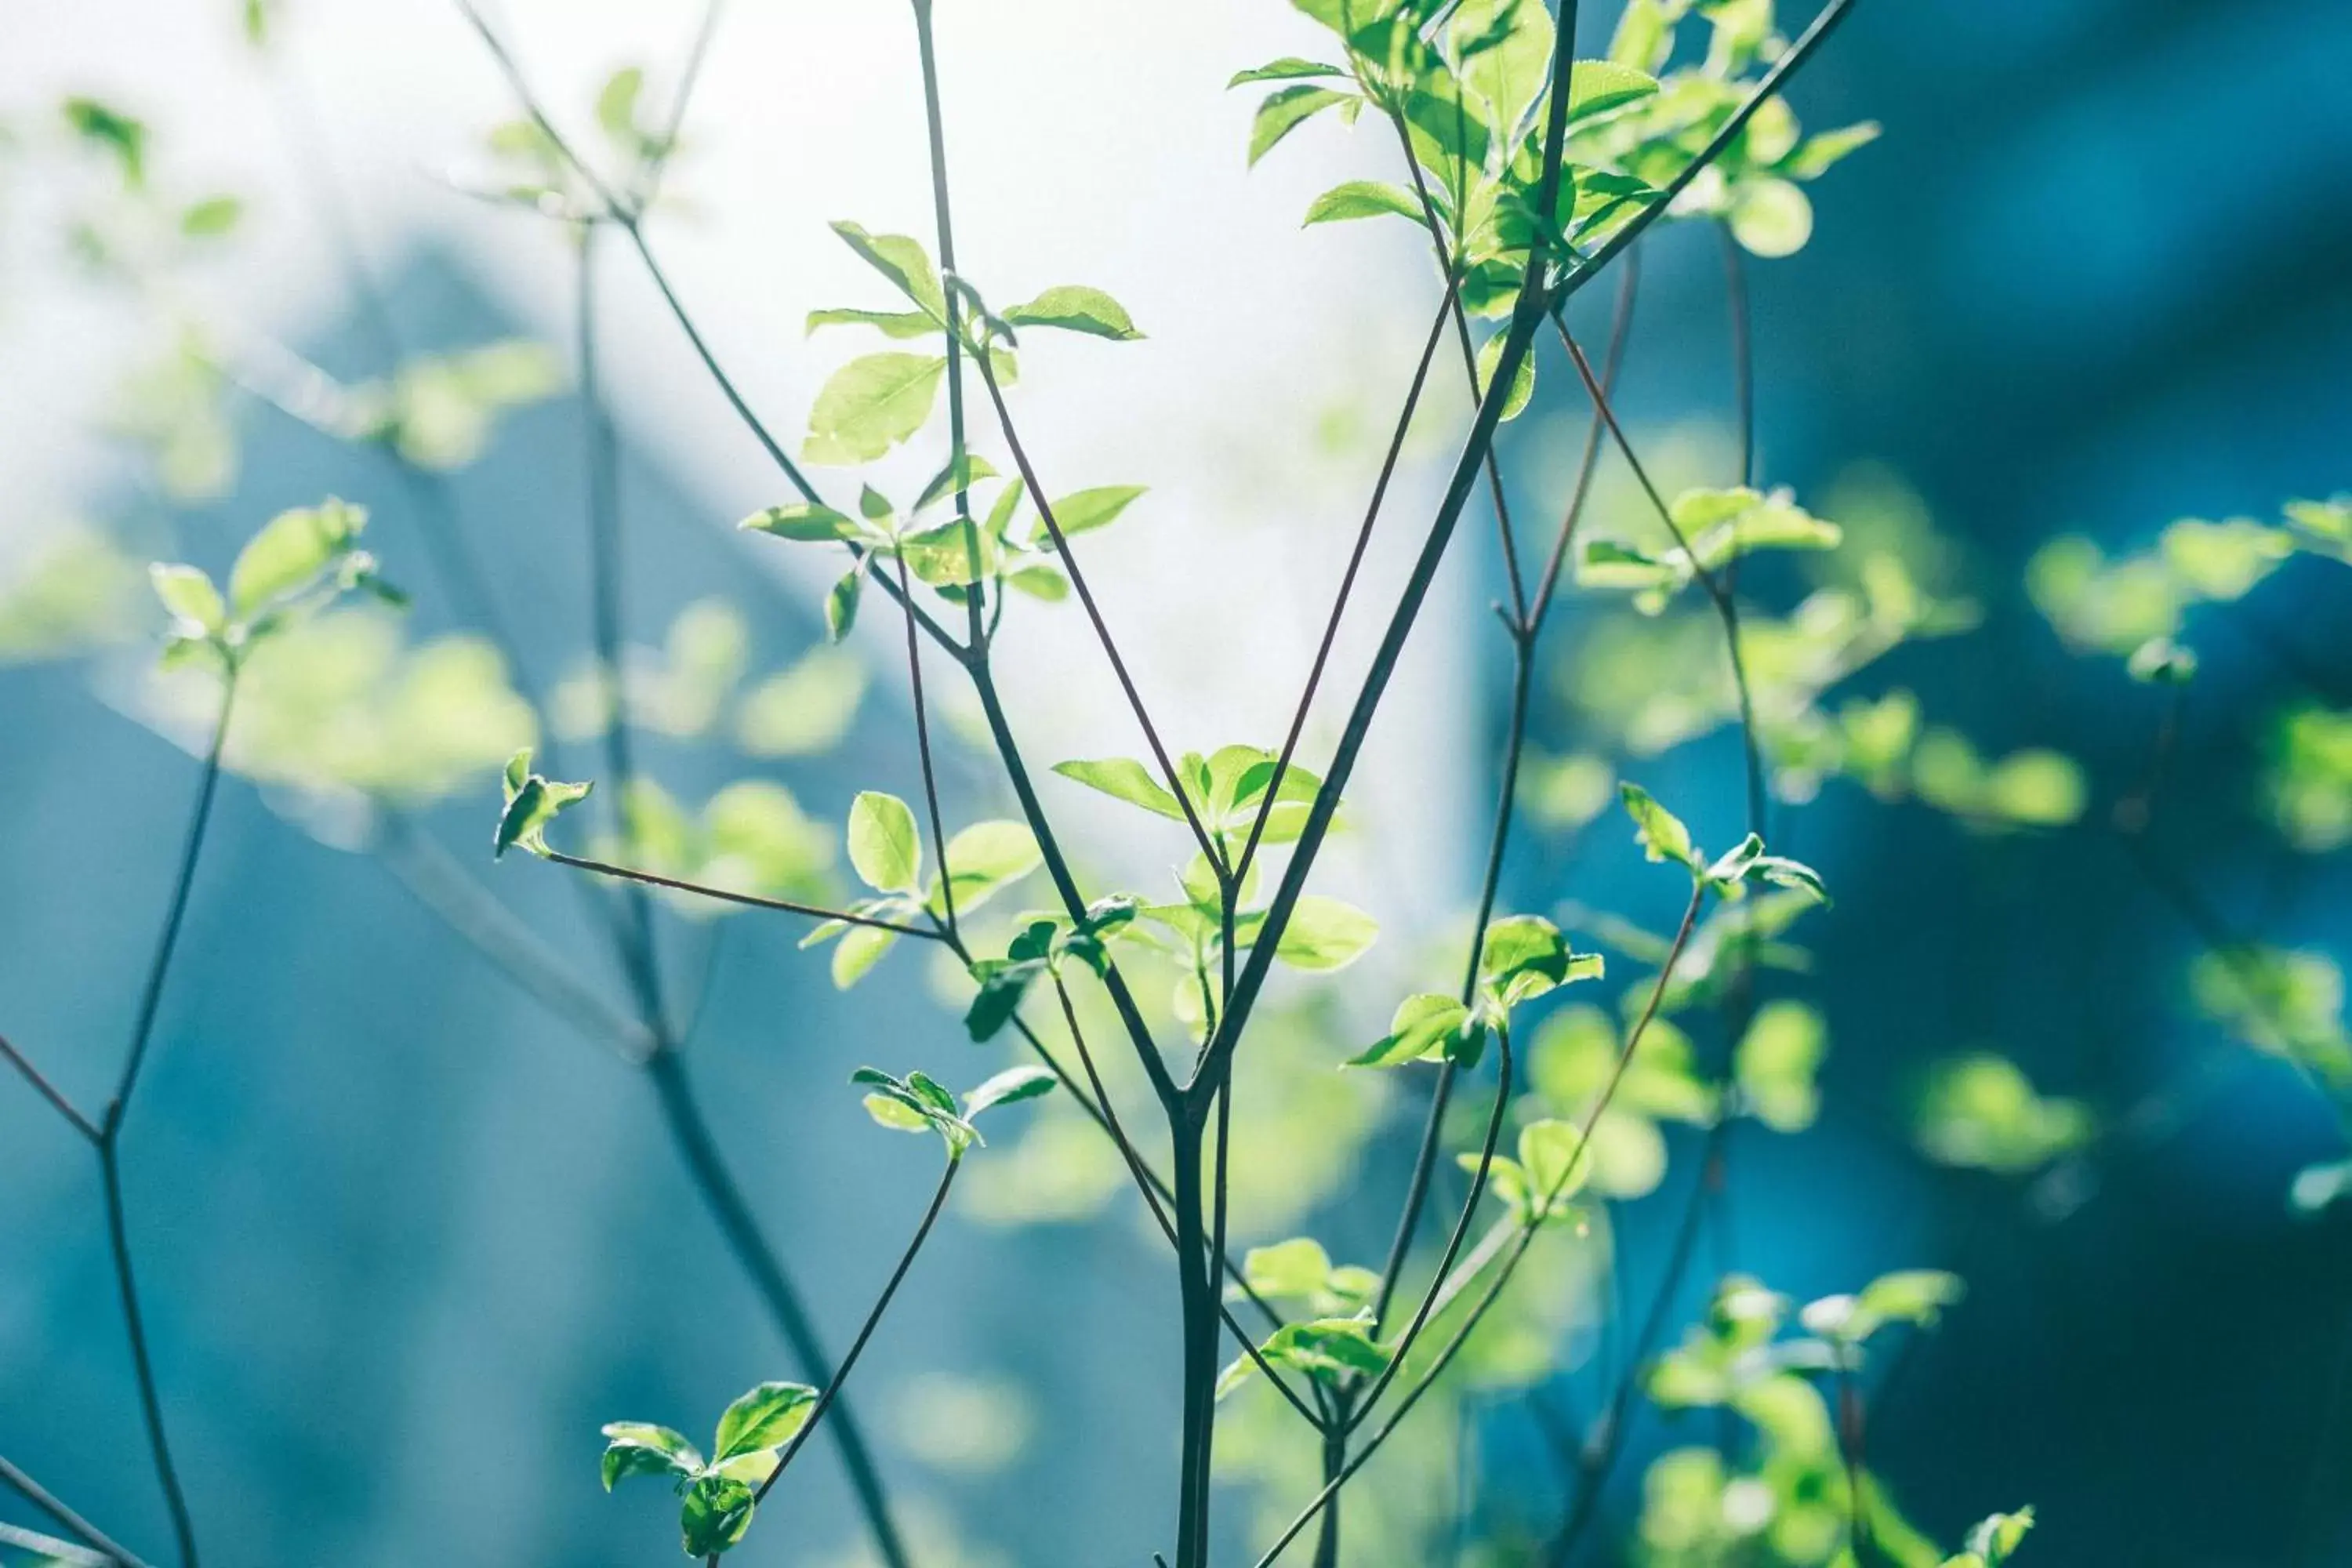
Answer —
617 104
1363 198
1325 934
1284 111
765 1418
1598 86
956 474
1290 67
211 217
1083 511
870 405
892 323
985 858
841 603
1123 778
1548 1154
1075 308
913 1104
118 133
1524 956
1993 1539
532 802
191 597
902 260
1426 1025
639 1448
860 949
1325 1349
884 846
1002 982
1912 1295
1522 384
1659 831
807 521
1009 1088
290 553
1295 1268
1775 1062
716 1513
1815 158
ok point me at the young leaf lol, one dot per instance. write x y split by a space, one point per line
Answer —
639 1448
806 520
1362 198
1425 1025
191 597
290 552
1776 1063
1660 832
1295 1268
1003 983
1290 67
532 802
1325 934
1123 778
716 1513
1524 956
884 846
860 949
870 405
1284 111
1083 511
1075 308
903 261
985 858
1008 1088
892 323
841 603
764 1417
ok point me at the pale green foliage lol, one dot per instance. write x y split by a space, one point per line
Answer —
339 708
886 849
1664 837
915 1103
1993 1539
532 801
716 1494
1776 1063
2284 1002
1786 1498
1570 1063
300 561
751 837
2309 782
2136 606
1713 528
1980 1110
76 593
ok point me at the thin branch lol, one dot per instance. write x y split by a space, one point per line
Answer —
635 936
142 1362
1517 1247
1620 329
1348 580
866 1330
753 1253
923 750
150 995
48 1091
1824 22
1156 1196
74 1524
1527 313
1437 1282
752 901
1717 594
1177 785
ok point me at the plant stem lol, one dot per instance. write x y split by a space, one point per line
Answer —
724 1198
48 1091
1197 1297
74 1524
725 895
832 1393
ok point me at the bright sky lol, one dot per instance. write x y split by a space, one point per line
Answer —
1085 148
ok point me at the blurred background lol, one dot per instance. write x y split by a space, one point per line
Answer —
407 1234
